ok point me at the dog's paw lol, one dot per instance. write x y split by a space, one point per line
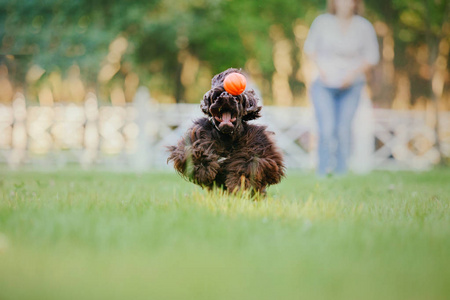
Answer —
205 175
235 183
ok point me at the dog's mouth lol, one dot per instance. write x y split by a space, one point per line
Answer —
225 122
225 118
224 112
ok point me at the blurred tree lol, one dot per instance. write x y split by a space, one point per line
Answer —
55 33
421 32
221 34
164 36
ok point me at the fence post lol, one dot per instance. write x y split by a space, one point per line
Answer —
19 135
91 131
361 160
142 159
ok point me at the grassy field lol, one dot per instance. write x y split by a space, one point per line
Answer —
94 235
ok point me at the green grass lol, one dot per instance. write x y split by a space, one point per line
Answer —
94 235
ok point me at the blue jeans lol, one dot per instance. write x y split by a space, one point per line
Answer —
335 109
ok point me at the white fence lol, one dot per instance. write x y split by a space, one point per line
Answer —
134 137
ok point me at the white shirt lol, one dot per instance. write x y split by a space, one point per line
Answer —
337 52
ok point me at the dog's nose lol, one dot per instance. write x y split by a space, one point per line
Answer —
226 99
225 95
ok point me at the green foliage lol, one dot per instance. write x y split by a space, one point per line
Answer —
220 33
80 235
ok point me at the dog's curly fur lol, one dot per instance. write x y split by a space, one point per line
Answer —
222 149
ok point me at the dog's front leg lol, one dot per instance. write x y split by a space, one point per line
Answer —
244 172
194 157
205 163
252 172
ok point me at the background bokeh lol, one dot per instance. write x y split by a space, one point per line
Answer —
64 53
174 47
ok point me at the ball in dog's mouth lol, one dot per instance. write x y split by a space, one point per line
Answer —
226 119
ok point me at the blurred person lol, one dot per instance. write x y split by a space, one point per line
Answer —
343 45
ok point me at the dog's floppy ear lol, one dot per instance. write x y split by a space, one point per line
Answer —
206 103
250 105
209 98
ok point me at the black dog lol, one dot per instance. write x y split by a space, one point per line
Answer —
224 150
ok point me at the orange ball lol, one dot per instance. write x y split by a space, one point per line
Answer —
235 84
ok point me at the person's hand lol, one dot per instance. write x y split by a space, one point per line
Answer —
323 77
348 81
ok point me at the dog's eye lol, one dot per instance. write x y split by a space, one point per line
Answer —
215 95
